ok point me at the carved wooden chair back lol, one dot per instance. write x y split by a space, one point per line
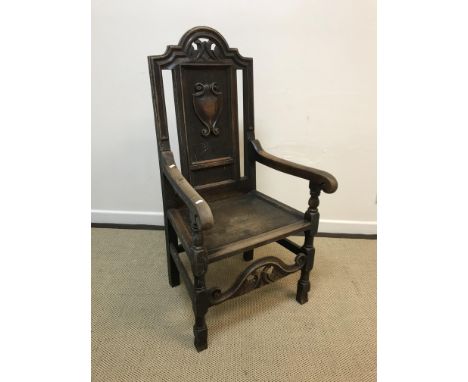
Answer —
204 72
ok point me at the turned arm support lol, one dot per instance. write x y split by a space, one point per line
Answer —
323 179
192 199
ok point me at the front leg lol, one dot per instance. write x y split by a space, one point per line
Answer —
201 298
312 214
201 301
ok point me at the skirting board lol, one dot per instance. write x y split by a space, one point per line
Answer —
127 217
157 219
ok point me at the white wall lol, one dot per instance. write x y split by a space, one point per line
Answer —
315 88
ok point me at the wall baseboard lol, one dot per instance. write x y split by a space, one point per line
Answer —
127 217
348 227
141 219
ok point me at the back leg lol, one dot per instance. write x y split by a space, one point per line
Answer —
173 272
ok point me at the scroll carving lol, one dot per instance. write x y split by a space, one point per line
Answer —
208 104
262 272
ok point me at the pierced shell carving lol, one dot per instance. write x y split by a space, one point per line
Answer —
203 50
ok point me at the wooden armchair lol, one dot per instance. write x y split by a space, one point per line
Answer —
210 206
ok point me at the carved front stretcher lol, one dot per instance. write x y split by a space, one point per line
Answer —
260 273
212 210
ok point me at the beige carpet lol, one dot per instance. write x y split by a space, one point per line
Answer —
142 328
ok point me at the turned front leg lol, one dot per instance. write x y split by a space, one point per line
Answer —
200 329
201 295
303 285
200 302
312 214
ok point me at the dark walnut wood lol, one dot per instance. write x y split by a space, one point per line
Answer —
209 208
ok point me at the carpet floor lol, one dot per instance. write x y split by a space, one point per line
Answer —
142 328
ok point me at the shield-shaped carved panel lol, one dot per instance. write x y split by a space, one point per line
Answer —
208 104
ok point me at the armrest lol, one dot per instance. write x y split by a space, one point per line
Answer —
192 199
326 181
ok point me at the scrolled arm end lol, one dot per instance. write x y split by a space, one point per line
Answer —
330 185
205 215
